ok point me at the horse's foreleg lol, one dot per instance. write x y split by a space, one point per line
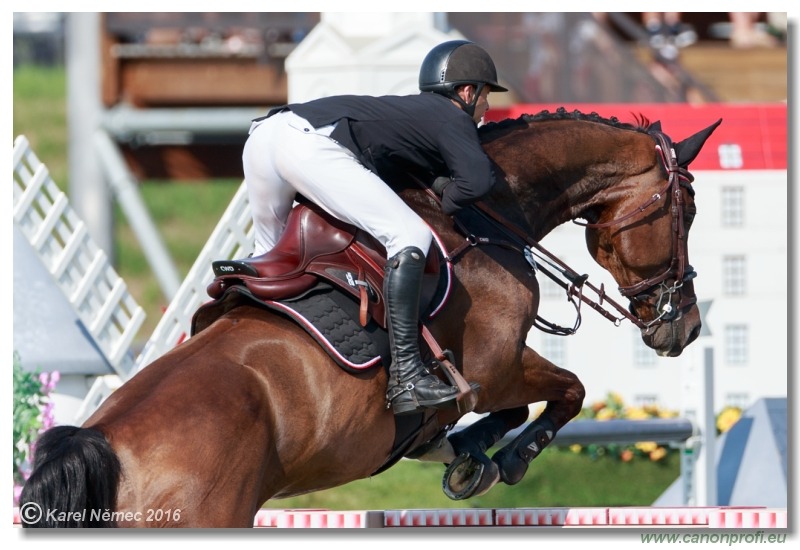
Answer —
471 472
513 459
480 436
564 394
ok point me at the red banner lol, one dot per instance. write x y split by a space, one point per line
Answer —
751 136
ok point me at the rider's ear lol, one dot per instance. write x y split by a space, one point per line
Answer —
469 93
687 150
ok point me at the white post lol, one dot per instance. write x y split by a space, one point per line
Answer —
130 200
699 461
691 379
688 460
707 461
87 189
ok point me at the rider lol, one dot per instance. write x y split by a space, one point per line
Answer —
334 150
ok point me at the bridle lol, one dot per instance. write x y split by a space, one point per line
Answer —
679 270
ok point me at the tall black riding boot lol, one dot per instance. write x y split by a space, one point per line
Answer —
411 386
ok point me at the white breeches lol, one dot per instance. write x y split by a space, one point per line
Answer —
285 155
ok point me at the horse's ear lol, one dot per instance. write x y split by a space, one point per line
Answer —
656 126
687 150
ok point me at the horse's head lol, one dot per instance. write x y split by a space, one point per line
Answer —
641 238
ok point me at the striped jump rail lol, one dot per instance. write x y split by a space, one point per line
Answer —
694 517
687 517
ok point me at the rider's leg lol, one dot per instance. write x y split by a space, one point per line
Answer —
331 177
270 196
411 386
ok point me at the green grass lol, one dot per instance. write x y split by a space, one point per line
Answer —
40 113
184 213
556 478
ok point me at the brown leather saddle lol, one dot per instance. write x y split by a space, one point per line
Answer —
315 246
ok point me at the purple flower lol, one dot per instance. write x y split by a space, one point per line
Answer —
49 381
48 420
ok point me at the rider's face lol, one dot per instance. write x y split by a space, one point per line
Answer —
482 105
467 93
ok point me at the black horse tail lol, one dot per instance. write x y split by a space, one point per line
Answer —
74 480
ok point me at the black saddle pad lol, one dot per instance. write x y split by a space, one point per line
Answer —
331 318
328 315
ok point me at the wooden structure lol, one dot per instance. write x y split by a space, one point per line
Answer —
195 60
198 59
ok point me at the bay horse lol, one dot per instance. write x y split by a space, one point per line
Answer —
251 409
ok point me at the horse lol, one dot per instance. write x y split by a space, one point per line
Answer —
252 409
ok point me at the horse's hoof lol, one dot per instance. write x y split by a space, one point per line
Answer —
468 476
511 467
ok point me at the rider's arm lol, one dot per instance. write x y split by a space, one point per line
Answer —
470 169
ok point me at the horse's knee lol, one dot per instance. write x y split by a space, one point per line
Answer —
569 403
574 397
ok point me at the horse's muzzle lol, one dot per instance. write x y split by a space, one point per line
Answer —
670 338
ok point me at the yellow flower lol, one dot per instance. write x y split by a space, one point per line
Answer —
646 446
658 454
636 413
615 398
605 414
575 448
727 418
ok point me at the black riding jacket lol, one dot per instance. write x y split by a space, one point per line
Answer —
390 133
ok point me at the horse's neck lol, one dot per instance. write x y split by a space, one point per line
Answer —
560 180
573 198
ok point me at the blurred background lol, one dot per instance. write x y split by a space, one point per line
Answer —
140 119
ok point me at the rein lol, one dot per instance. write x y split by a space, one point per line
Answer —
536 255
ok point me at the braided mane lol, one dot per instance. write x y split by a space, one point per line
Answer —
642 122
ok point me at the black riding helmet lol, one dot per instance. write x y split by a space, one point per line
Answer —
454 63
